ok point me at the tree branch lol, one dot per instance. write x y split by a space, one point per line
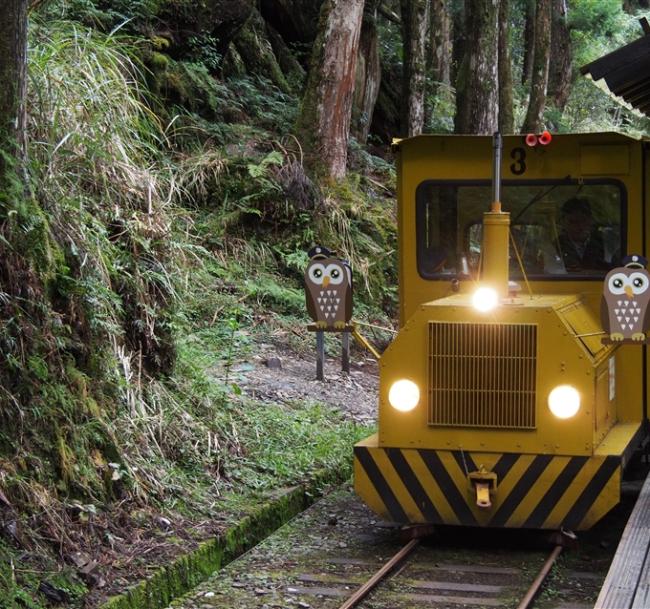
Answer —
390 15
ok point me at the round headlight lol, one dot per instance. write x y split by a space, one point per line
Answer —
485 299
564 401
404 395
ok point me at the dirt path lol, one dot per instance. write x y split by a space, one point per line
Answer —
278 375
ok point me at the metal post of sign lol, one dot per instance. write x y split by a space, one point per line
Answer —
320 354
320 347
345 351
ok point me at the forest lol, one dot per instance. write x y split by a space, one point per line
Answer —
165 165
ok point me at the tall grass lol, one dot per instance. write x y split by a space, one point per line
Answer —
107 188
93 135
110 184
96 160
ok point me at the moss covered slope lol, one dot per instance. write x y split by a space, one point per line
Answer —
164 232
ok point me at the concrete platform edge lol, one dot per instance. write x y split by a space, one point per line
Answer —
189 570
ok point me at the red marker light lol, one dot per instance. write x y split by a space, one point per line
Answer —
545 138
531 140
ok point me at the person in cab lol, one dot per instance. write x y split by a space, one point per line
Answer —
581 245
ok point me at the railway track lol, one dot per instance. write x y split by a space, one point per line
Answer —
408 581
484 590
323 557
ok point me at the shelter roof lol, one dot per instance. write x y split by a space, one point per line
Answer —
626 71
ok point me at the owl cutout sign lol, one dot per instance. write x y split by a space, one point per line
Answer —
624 307
328 289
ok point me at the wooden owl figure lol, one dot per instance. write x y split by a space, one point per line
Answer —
624 305
328 289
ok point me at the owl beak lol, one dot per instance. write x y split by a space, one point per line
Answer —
326 281
628 291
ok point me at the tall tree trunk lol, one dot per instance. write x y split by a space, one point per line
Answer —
460 27
368 78
13 75
324 121
539 82
560 72
477 82
441 42
506 115
415 18
440 57
529 42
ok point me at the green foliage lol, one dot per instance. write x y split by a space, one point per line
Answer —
592 109
260 445
105 15
88 295
191 86
288 445
441 99
20 587
162 228
598 27
203 50
265 104
95 141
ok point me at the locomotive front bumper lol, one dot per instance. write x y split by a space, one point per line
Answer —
414 485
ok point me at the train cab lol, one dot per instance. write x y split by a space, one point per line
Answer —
518 412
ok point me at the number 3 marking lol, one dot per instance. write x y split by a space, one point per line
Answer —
519 156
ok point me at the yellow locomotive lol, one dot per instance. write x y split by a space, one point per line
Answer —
515 412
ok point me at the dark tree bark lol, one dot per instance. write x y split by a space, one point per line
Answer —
539 81
415 18
506 114
295 20
560 69
441 42
13 75
324 122
368 78
386 117
477 83
632 6
529 42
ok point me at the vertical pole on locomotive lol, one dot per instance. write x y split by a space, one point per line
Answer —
496 230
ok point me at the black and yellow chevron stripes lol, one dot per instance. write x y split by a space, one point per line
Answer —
533 491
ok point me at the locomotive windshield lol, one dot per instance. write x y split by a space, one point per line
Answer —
561 229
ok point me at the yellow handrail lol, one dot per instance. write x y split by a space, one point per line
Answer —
364 343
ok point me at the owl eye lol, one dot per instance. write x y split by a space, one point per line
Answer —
616 283
639 283
316 273
336 273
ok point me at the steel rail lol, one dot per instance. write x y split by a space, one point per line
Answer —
363 591
539 580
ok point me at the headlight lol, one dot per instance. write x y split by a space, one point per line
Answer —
485 299
404 395
564 401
